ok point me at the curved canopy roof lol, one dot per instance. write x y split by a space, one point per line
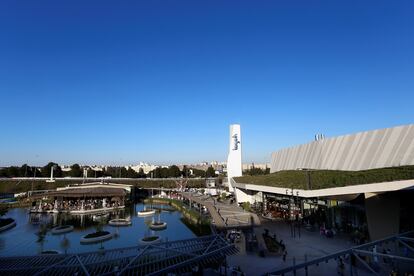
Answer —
86 192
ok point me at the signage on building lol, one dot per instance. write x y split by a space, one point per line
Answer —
236 142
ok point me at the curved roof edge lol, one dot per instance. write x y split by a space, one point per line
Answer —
387 147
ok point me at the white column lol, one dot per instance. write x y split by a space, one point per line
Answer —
234 160
51 173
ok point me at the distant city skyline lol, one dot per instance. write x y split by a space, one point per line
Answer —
94 82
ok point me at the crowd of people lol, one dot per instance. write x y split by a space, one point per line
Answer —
76 205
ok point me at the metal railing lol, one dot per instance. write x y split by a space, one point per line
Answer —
151 259
356 253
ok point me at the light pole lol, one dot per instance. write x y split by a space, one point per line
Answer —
290 211
298 222
287 194
292 208
34 176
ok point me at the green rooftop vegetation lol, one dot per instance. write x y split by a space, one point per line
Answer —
320 179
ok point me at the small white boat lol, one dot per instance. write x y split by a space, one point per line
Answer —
96 237
147 212
100 216
120 222
62 229
158 225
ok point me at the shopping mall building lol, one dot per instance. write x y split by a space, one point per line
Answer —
380 208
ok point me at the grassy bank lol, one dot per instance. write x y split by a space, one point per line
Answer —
18 186
197 223
320 179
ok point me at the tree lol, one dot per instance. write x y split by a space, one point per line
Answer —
3 172
211 172
141 173
25 171
155 173
122 172
257 171
13 172
198 173
57 172
75 170
95 173
164 172
246 206
185 171
174 171
131 173
110 171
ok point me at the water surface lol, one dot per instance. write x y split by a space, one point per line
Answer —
25 239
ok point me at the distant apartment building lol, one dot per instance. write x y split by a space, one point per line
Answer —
65 168
218 166
249 166
144 166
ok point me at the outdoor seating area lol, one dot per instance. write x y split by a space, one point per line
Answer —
79 200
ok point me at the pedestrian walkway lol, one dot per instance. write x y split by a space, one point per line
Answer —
224 215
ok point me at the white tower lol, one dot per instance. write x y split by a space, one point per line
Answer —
234 161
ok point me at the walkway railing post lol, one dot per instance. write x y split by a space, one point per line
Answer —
306 267
294 266
351 268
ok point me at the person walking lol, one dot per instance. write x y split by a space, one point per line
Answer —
284 255
341 266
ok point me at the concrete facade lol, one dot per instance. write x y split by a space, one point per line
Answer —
380 148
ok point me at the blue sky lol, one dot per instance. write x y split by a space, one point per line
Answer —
116 82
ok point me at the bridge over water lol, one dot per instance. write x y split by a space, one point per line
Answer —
153 259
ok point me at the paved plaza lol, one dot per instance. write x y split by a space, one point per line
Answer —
311 244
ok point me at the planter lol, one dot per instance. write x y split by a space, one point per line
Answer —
100 217
120 222
150 240
62 229
158 225
96 237
8 223
50 252
144 213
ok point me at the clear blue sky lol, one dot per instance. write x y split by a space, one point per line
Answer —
160 81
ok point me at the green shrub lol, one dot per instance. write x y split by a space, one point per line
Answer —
246 206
